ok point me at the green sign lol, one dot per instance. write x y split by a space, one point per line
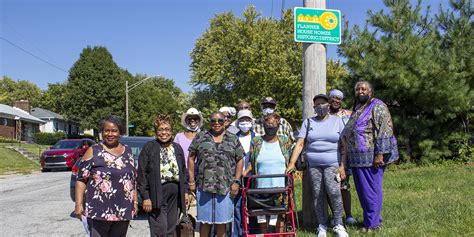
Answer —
314 25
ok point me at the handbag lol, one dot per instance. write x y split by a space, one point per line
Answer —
301 163
186 224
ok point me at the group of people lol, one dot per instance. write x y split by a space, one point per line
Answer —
208 164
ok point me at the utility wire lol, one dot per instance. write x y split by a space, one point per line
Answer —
31 54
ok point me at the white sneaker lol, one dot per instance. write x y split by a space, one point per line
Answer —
322 231
351 220
340 231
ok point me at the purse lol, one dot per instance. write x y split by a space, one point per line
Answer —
186 224
301 163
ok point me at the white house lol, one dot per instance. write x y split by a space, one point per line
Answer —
55 122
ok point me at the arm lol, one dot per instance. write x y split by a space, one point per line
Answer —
143 182
192 182
343 154
383 131
81 188
295 154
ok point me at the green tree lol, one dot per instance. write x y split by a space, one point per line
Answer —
95 88
153 97
250 58
53 98
421 65
11 91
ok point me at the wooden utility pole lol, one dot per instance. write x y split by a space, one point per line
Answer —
314 82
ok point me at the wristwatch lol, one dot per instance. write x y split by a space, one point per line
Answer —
237 181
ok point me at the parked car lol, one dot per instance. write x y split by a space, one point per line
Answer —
64 153
135 143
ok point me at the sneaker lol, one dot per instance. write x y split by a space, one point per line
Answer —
340 231
322 231
351 220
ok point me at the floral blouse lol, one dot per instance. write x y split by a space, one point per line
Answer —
110 184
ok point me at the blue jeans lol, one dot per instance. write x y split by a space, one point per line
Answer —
237 228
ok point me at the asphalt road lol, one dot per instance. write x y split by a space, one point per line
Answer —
39 205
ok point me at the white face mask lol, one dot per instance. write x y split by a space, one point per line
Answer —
268 111
192 129
245 126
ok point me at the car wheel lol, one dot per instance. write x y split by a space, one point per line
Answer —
45 170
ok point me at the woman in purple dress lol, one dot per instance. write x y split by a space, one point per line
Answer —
107 177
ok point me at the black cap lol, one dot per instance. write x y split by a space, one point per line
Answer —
324 96
268 100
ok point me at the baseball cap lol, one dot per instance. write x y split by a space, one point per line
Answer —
244 113
268 100
324 96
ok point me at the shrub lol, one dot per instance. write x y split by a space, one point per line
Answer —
44 138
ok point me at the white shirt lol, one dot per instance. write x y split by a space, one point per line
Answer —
245 142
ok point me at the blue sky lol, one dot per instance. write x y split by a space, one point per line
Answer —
143 36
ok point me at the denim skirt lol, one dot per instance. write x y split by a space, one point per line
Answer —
213 208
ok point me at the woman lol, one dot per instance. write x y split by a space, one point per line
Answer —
162 179
324 164
192 122
371 145
269 155
219 155
107 177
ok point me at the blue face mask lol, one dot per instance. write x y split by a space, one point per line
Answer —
245 126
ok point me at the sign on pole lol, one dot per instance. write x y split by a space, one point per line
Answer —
313 25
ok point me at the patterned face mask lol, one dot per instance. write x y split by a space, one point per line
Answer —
268 111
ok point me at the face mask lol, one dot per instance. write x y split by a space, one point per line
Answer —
321 110
270 131
192 129
245 126
362 98
268 111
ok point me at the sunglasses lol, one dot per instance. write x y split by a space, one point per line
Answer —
244 107
216 120
192 118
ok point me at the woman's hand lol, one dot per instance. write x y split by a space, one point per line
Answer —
147 205
187 200
342 173
234 189
192 187
378 161
78 211
290 168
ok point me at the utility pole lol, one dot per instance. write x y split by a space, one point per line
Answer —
314 82
128 89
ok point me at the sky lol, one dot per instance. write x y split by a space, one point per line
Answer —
41 39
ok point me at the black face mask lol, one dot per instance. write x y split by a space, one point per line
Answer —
362 99
321 110
270 131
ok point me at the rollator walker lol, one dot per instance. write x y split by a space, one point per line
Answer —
266 203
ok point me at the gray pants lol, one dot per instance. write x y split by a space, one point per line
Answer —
324 182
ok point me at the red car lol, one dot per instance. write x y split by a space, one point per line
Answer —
64 153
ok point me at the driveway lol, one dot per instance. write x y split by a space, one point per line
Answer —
39 205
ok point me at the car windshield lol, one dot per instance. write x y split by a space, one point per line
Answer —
136 146
67 145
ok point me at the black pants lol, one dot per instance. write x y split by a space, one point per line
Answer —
163 220
101 228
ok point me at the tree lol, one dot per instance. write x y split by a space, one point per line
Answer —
95 88
248 58
421 65
53 98
155 96
11 91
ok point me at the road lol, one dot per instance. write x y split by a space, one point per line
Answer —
38 204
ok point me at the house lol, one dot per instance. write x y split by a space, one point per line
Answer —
55 122
16 123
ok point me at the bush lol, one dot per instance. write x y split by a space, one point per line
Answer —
6 140
44 138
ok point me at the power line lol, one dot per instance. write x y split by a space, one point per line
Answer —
31 54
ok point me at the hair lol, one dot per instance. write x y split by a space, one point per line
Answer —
270 116
220 113
162 119
112 119
371 88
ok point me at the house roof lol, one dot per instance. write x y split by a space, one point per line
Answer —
45 114
16 113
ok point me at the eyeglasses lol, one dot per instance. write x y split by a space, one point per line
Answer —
216 120
163 130
192 118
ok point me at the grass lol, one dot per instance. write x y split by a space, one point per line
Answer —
34 149
12 162
424 201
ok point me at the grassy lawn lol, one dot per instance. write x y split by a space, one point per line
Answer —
13 162
425 201
34 149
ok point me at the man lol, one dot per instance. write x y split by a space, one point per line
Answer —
229 112
370 145
335 99
220 162
268 106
